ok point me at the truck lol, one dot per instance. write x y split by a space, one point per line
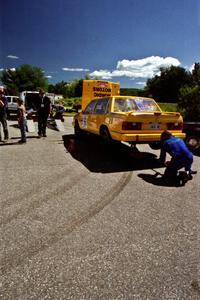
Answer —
93 89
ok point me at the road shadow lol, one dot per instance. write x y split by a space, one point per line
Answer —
27 136
14 125
96 157
196 152
160 181
52 125
10 143
15 140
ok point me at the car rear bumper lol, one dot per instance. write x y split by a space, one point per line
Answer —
143 137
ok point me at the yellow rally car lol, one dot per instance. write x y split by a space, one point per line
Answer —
128 119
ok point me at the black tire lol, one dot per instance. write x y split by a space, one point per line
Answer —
105 135
193 142
155 145
77 130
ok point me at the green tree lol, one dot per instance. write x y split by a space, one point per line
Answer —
189 103
75 88
166 86
10 80
59 88
133 92
24 78
196 73
68 90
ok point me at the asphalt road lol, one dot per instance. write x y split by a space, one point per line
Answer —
82 222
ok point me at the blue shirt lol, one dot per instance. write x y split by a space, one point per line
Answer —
177 149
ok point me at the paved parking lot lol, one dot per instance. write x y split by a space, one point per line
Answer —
90 224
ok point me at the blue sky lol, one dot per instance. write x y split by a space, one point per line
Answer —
126 41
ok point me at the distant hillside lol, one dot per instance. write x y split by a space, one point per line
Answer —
132 92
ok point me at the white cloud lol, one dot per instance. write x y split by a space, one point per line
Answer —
8 69
140 68
48 76
191 68
105 74
12 56
141 83
75 70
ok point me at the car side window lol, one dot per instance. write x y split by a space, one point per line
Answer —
8 99
90 107
101 107
119 105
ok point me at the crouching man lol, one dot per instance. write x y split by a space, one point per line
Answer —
181 157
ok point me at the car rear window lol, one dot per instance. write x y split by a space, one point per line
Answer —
135 104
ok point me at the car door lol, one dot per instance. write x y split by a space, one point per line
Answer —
86 120
100 114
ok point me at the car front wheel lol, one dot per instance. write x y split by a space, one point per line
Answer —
105 135
77 129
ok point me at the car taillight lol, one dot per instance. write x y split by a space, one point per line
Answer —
131 125
175 126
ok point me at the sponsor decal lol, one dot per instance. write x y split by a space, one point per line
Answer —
102 83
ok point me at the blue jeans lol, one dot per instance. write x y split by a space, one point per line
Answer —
22 127
177 164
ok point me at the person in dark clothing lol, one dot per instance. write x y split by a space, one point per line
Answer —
181 157
3 115
43 110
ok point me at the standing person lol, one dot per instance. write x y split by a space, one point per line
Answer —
43 109
181 157
21 117
3 115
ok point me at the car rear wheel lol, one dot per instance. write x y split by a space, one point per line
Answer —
155 145
193 142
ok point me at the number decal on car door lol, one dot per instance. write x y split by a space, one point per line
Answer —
84 122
